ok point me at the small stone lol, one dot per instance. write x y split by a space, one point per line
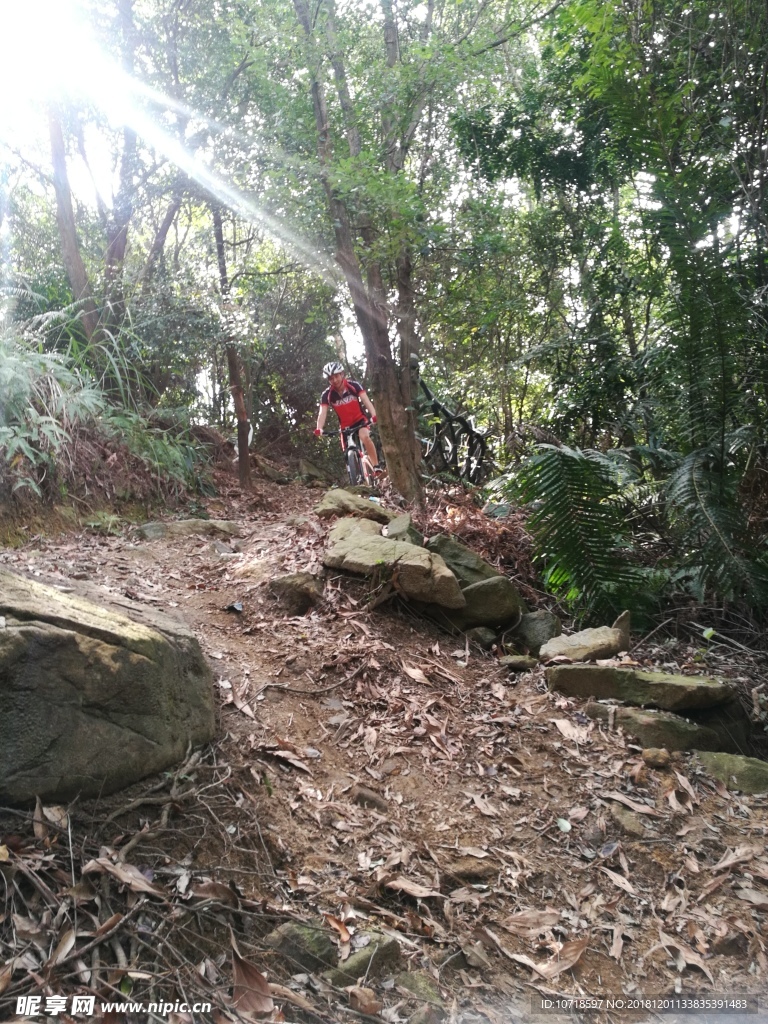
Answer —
381 954
518 662
470 869
428 1014
482 636
368 798
421 985
657 757
303 946
630 822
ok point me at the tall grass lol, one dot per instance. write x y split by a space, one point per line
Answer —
55 416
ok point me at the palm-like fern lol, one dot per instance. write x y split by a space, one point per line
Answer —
711 528
580 529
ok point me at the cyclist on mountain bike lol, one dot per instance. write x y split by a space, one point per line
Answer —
349 401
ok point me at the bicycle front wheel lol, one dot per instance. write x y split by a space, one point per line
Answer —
354 468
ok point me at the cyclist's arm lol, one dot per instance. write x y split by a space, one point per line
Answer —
322 413
368 404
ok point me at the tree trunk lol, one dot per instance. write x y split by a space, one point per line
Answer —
158 242
65 218
233 360
410 346
368 296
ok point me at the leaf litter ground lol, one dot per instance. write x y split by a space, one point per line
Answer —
374 773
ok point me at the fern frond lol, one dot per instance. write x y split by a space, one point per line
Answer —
579 527
713 530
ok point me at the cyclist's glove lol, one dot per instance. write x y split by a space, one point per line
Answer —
317 432
374 419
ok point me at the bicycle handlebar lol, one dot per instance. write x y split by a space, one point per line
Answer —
345 431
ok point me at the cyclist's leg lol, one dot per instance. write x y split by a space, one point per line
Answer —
370 447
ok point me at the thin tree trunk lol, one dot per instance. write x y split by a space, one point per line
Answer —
158 242
65 218
233 360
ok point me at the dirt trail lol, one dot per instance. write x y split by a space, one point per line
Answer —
376 770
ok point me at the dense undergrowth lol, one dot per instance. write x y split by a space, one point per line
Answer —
65 438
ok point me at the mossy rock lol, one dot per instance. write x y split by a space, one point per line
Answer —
746 774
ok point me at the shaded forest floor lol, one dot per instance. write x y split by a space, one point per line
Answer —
374 772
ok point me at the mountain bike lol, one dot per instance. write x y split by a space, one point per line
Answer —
359 465
456 447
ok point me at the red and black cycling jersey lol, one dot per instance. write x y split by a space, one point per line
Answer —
347 404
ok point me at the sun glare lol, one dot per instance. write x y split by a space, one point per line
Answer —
51 57
45 53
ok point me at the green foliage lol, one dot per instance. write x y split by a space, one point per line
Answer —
580 530
171 455
43 400
717 549
47 406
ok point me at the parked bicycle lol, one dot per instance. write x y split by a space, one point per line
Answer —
359 467
456 447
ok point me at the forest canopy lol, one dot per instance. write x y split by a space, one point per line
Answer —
556 210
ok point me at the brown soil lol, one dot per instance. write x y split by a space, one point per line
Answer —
492 798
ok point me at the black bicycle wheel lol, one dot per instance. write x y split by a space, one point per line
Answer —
474 467
353 466
440 455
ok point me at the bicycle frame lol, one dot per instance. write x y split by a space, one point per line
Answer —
359 465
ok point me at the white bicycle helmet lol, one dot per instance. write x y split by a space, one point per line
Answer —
330 368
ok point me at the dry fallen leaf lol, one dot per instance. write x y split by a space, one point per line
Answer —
63 947
363 1000
685 784
415 673
619 880
39 826
633 805
411 888
530 923
685 951
757 899
251 990
126 874
338 926
6 973
576 733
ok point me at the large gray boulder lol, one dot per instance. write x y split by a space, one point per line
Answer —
658 689
296 592
659 728
93 700
467 567
190 528
356 545
589 644
493 602
747 774
338 502
534 629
